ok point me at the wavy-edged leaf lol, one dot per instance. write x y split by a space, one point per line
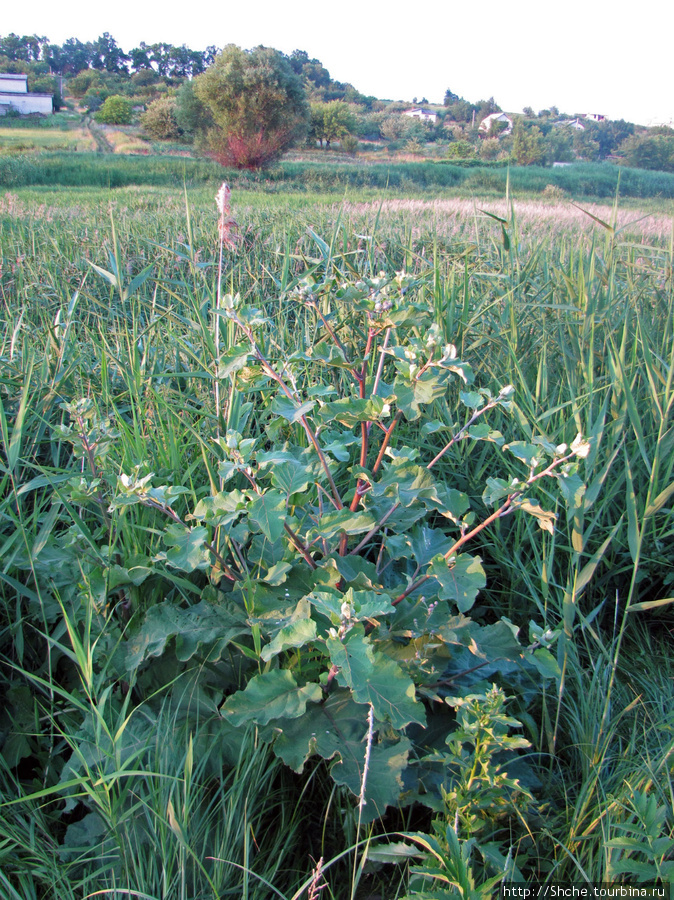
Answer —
376 679
196 626
272 695
343 520
267 514
187 547
290 410
461 581
350 411
295 634
337 729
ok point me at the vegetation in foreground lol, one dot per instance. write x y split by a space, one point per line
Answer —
176 561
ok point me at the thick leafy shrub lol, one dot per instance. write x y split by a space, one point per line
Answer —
116 110
159 120
332 551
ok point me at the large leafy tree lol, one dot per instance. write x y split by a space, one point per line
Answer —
331 121
26 48
257 103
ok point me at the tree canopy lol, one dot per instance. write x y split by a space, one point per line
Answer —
258 106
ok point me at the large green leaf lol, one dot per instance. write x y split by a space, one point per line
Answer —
290 409
411 397
291 477
267 514
272 695
376 679
221 509
428 542
299 630
360 604
351 410
531 454
329 354
334 523
338 729
214 624
187 548
461 581
232 360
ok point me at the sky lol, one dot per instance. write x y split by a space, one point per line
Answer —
583 56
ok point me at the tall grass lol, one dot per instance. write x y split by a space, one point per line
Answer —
581 180
576 312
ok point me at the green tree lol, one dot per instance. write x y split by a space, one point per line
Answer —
106 54
331 122
83 82
528 145
115 111
46 84
559 142
258 106
27 48
649 151
192 116
585 145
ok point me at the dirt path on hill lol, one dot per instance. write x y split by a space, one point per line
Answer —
102 145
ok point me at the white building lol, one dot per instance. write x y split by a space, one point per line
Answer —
14 95
576 124
501 118
426 115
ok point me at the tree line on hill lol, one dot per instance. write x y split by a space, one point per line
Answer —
196 96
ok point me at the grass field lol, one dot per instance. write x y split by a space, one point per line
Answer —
22 139
118 772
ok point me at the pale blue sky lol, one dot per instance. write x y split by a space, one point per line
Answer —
580 55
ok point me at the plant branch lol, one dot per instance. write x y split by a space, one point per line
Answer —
297 541
269 369
462 432
384 519
385 442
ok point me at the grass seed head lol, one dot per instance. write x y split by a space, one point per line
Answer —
228 227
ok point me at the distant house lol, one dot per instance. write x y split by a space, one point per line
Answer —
576 124
501 118
426 115
14 95
595 117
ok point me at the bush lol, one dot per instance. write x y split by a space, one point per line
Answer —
349 144
159 120
460 150
115 111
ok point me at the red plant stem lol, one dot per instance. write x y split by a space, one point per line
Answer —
324 462
226 571
337 341
353 506
503 510
385 442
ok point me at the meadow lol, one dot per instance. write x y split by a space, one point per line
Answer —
320 472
